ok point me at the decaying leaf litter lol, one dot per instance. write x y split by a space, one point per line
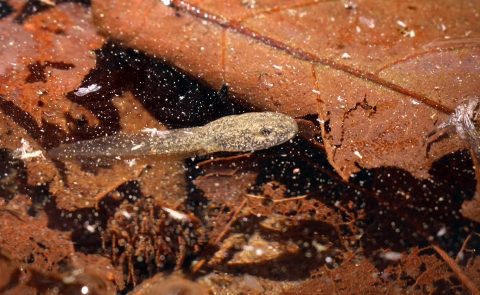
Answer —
289 193
332 60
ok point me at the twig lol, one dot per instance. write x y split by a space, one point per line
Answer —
227 227
457 270
464 246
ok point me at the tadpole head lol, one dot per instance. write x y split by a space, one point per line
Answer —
252 131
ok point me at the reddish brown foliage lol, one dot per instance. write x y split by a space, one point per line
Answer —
363 206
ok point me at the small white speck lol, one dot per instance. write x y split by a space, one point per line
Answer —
296 170
82 91
319 247
443 27
367 21
188 132
393 256
358 154
328 259
84 290
131 162
401 24
69 279
442 231
166 2
90 228
410 34
416 102
278 67
339 98
176 214
137 147
346 55
126 214
350 5
316 91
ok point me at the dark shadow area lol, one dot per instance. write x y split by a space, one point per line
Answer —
47 135
170 96
393 210
13 175
5 9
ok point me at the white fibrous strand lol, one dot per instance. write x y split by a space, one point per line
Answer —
26 151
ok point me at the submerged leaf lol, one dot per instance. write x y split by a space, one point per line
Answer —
379 75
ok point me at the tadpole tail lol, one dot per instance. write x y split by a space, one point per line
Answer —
147 142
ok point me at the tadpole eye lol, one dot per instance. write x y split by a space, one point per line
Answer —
265 131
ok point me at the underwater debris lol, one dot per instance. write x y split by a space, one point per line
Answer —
146 233
463 121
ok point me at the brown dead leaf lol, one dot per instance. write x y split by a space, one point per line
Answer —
378 209
288 197
41 258
37 241
403 276
161 285
380 75
228 182
46 57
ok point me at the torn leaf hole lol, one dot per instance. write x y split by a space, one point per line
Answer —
37 73
37 70
312 118
327 126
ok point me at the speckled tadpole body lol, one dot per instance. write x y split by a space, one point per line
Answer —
237 133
